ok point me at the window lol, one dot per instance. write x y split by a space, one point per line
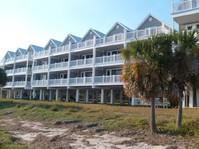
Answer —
64 59
116 71
189 27
86 56
114 52
86 74
63 75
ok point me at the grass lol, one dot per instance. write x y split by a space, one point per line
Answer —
112 118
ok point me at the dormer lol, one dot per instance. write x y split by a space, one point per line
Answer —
118 28
9 54
20 51
71 38
52 43
91 33
33 48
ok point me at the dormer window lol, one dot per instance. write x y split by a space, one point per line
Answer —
117 27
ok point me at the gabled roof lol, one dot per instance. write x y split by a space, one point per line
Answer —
20 51
120 24
97 33
35 48
56 43
73 37
9 54
147 17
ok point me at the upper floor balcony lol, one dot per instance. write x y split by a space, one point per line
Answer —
25 57
22 71
185 5
58 66
110 39
82 45
39 83
9 60
58 82
108 80
8 85
41 54
40 68
81 63
115 59
80 81
60 50
10 72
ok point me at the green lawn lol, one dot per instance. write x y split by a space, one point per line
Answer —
112 118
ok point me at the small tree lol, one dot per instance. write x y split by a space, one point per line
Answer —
3 77
145 70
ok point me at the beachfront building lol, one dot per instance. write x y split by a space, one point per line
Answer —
186 14
77 69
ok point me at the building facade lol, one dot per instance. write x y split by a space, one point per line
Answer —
186 14
77 69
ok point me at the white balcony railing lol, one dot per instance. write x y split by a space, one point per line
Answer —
81 45
40 68
60 50
39 83
22 70
58 82
112 59
113 79
8 84
19 84
10 72
58 66
21 58
110 39
43 53
185 5
80 81
81 62
9 60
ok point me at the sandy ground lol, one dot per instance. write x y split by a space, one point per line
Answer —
85 136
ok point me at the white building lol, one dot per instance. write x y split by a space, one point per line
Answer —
186 14
84 69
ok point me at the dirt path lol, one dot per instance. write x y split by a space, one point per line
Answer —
78 135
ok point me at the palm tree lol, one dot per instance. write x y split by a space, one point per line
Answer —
3 77
182 68
145 71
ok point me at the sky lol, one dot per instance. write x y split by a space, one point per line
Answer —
25 22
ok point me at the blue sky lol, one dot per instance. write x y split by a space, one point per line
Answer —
25 22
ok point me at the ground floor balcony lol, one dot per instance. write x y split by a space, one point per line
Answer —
40 68
109 60
108 80
80 81
81 63
23 70
39 83
58 82
8 85
59 66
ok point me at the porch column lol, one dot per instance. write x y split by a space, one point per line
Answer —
77 95
14 93
43 94
121 96
33 94
21 94
102 95
30 95
1 92
183 101
191 98
86 96
197 97
112 97
40 94
50 95
57 94
67 95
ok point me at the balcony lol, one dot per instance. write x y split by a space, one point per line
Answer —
185 6
108 80
21 58
81 63
10 72
1 62
22 71
60 50
110 39
19 84
41 54
8 85
109 60
59 66
39 83
82 45
58 82
40 68
80 81
9 60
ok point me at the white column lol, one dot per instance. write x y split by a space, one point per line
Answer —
43 95
40 94
14 93
183 101
57 94
10 93
191 98
121 97
50 95
102 96
33 94
67 95
69 59
21 94
77 95
197 97
112 97
94 57
30 95
86 96
1 92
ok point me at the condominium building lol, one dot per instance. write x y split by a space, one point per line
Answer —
186 14
77 69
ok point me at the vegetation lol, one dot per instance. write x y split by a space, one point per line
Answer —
3 77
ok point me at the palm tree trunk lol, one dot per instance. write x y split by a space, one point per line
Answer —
179 117
153 124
